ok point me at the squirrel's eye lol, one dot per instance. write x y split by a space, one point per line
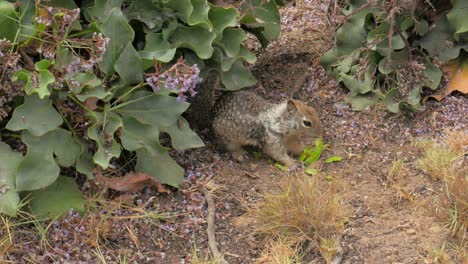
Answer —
307 123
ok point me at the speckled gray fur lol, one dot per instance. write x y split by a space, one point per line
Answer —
243 118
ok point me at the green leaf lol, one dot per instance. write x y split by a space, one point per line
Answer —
85 80
193 12
457 16
333 159
433 75
129 66
362 101
357 86
9 198
222 17
161 166
237 77
38 168
36 115
136 135
153 109
120 33
421 27
85 164
263 19
232 40
8 18
391 101
182 137
311 172
102 132
57 199
329 178
315 154
27 14
281 167
44 79
145 11
101 9
156 47
66 149
98 92
439 42
195 38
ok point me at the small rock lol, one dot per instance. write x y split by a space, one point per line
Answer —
353 183
410 231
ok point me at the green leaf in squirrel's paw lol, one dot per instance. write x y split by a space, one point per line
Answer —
281 167
333 159
311 172
329 178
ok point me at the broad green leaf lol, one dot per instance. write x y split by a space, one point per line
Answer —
145 11
153 109
232 40
120 33
101 9
244 54
222 17
66 149
85 163
84 79
57 199
102 132
457 16
193 12
433 75
38 168
199 15
98 92
414 97
129 66
156 48
395 60
237 77
333 159
27 14
136 135
438 41
160 166
9 198
44 78
421 27
263 18
281 167
182 137
8 21
352 35
362 101
195 38
315 154
357 86
391 100
35 115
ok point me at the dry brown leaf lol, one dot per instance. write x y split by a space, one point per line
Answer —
457 73
131 182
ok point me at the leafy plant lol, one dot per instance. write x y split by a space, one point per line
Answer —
102 80
391 51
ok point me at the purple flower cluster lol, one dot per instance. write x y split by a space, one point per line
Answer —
179 77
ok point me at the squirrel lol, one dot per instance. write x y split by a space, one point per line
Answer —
243 118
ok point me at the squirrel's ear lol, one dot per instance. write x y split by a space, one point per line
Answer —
291 106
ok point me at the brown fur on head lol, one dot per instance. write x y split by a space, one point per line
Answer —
295 142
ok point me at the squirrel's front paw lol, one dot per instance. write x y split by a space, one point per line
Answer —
296 167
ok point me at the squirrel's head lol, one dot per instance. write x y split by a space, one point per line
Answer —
305 117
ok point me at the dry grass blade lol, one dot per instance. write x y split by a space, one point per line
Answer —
303 209
280 251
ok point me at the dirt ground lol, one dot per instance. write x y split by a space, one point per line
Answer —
387 224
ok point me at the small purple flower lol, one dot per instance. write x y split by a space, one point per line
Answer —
181 98
171 83
153 81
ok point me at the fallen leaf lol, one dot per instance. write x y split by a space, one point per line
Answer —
131 182
457 72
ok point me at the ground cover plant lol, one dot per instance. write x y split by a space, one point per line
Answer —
88 88
391 51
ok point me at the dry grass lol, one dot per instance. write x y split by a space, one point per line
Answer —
446 161
397 180
304 209
280 251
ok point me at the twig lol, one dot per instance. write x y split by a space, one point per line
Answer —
29 63
210 229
